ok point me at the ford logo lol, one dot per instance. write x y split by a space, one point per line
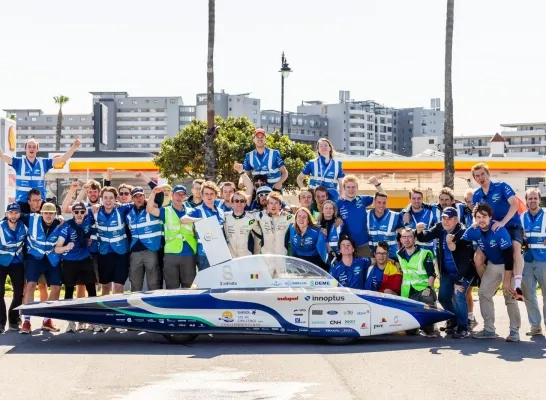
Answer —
332 312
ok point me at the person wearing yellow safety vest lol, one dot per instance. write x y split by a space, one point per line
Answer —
418 274
180 244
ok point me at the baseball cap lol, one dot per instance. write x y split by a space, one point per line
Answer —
137 190
259 131
13 207
450 212
180 188
48 207
79 206
264 189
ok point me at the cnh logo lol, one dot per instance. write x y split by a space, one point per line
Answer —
335 322
327 299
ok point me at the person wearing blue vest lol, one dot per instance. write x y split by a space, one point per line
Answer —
73 245
352 210
30 170
446 198
12 239
324 171
496 245
146 232
417 213
265 161
209 193
43 232
350 271
384 224
502 199
304 239
331 227
112 240
534 269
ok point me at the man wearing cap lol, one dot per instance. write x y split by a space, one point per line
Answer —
12 238
73 245
30 170
146 231
456 268
43 232
180 243
265 161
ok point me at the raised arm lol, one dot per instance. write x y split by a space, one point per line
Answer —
7 159
150 209
66 206
300 179
66 156
374 181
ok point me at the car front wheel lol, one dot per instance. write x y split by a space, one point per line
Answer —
179 338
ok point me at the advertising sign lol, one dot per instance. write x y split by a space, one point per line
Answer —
8 141
212 238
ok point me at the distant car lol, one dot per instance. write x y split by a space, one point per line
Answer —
263 294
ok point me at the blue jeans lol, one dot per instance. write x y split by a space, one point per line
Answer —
454 301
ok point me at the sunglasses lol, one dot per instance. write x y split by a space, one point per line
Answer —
263 194
124 193
239 201
78 212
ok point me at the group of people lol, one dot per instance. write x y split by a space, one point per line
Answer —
116 234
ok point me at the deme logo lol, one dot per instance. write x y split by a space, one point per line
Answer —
325 298
11 138
320 283
227 316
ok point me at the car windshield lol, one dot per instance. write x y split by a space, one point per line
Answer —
281 267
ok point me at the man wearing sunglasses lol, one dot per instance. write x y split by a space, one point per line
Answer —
73 244
124 191
238 226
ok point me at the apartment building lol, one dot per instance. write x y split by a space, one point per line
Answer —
415 122
229 105
303 128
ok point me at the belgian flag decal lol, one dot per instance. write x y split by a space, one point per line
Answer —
253 276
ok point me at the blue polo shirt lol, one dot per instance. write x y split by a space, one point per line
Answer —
354 216
497 197
81 249
351 276
311 243
491 243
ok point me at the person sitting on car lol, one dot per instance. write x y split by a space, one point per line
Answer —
384 276
350 271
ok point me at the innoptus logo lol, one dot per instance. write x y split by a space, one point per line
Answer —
327 299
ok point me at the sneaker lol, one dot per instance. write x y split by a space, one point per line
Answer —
47 325
472 323
71 327
534 332
82 326
98 328
518 294
513 336
483 334
14 327
25 328
461 334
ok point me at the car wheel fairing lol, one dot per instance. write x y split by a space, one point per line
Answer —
341 340
179 338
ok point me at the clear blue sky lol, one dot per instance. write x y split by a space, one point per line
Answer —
391 51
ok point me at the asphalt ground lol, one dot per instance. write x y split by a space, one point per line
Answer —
134 365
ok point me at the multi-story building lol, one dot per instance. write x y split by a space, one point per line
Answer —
526 139
415 122
355 127
229 105
299 127
33 123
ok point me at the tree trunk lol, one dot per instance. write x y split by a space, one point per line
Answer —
58 129
449 163
210 157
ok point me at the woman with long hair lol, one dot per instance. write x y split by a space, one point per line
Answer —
331 227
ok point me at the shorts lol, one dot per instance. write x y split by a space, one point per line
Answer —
113 267
516 234
36 267
78 272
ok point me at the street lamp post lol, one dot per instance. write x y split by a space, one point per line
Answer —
285 71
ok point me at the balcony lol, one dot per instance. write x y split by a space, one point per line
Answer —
156 141
141 123
142 114
133 132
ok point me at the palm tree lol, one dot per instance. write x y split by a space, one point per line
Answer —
210 158
61 101
449 162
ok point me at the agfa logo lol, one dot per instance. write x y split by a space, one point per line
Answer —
11 138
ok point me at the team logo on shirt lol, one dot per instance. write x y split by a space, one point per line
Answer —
495 197
492 243
251 221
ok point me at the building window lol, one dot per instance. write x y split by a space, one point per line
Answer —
255 120
264 117
156 101
431 141
49 119
255 103
173 101
33 119
254 111
134 102
120 102
82 118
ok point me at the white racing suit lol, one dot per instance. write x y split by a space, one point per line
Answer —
237 230
271 232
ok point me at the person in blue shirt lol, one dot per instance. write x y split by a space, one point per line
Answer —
30 170
502 199
350 271
496 245
12 239
265 161
324 171
207 209
352 210
416 213
305 240
534 269
227 189
384 224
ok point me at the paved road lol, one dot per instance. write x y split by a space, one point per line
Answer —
143 366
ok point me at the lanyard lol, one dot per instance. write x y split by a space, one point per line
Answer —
263 163
326 170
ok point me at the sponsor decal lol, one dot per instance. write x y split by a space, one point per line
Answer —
363 326
317 312
332 330
378 326
350 321
229 283
332 312
346 330
227 316
327 299
246 312
362 312
300 321
129 320
140 320
301 310
395 322
161 321
348 312
120 320
282 329
335 322
253 276
383 319
318 322
288 298
320 283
